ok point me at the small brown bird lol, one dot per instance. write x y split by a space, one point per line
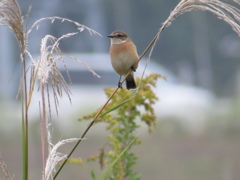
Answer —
124 57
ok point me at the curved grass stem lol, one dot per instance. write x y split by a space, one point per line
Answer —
103 107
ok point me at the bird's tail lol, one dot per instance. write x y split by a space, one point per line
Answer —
130 82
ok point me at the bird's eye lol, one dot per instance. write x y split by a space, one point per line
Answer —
119 36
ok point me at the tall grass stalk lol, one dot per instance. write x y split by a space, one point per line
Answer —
11 18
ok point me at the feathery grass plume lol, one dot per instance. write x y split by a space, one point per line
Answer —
237 1
3 166
55 157
224 11
11 18
46 71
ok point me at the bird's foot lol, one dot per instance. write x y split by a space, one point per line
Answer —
133 68
120 85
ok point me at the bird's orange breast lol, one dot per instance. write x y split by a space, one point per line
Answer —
123 56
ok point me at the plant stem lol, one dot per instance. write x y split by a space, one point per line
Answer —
24 117
24 157
99 112
43 126
85 132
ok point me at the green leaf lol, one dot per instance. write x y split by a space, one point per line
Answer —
115 161
93 174
115 107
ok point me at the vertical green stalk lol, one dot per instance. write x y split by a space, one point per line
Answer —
24 120
24 157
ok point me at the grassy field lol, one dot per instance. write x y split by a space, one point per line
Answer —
169 153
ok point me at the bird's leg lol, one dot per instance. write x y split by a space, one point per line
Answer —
119 82
133 68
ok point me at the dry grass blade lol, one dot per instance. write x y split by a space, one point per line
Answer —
79 26
3 166
85 65
224 11
236 1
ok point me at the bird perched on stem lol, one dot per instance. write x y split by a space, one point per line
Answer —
124 57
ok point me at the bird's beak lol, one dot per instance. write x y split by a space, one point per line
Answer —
110 36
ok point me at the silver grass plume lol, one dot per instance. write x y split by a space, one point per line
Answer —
46 71
55 157
11 17
224 11
228 13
